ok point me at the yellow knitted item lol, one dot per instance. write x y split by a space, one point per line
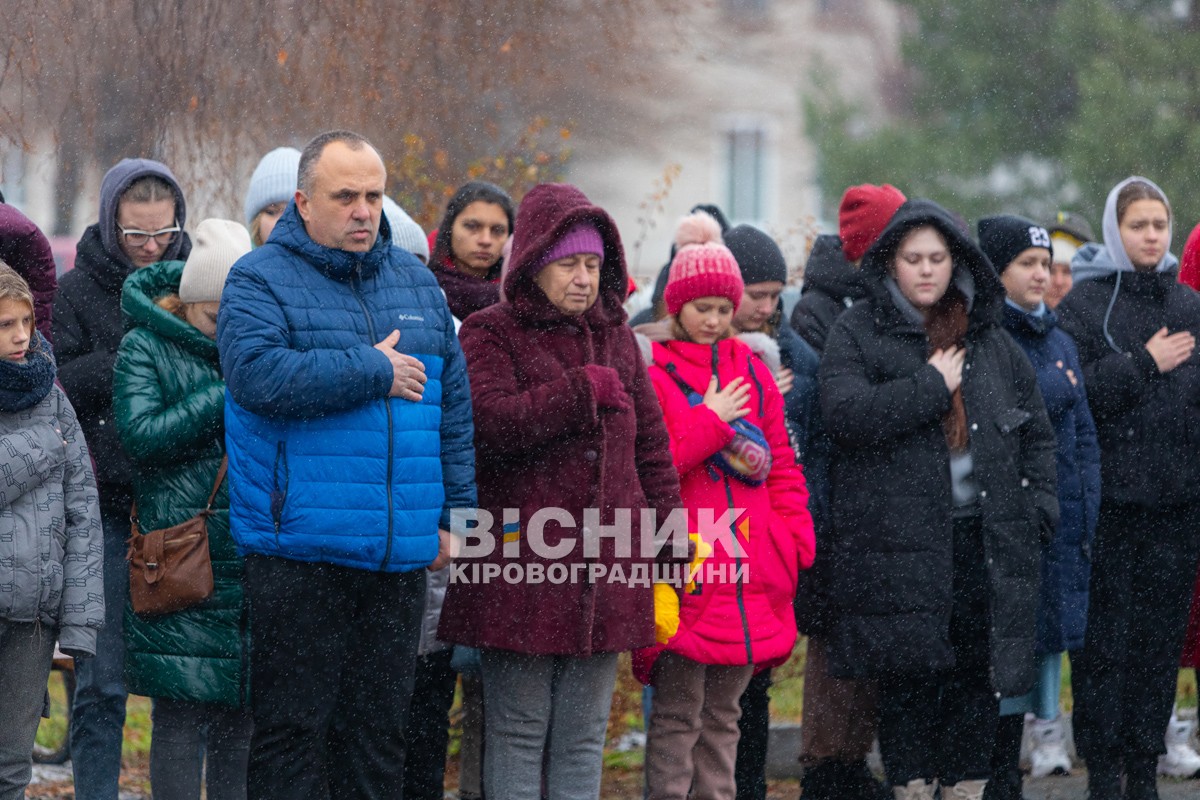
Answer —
666 596
666 612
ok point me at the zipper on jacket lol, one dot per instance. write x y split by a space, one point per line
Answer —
757 383
279 495
737 563
737 559
356 285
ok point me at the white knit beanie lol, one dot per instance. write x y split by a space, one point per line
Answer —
273 181
217 244
406 233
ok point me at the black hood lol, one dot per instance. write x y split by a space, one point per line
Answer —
828 270
988 290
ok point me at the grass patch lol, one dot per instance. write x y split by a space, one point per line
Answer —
787 686
136 746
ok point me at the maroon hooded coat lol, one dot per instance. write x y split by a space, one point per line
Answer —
543 440
25 248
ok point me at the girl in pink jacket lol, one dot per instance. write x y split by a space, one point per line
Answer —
747 514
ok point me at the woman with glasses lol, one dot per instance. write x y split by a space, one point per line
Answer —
142 212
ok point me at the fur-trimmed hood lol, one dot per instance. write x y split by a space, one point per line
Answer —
761 344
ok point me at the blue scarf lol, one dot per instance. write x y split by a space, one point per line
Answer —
25 384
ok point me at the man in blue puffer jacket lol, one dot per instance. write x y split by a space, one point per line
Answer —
350 438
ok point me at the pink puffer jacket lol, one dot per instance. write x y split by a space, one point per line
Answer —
723 619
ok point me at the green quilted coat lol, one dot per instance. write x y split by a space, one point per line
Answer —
169 400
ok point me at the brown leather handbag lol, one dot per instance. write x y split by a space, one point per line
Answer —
170 569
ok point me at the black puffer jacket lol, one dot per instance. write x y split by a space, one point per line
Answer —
883 404
1147 422
831 285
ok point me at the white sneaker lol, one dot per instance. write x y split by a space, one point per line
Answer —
1048 755
1181 760
964 790
916 789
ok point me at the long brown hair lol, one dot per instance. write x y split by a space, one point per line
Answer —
946 325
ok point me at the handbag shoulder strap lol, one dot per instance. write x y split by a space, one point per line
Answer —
217 483
133 513
693 397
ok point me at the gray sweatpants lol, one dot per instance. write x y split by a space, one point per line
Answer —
554 707
25 653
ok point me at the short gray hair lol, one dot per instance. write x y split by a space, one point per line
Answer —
311 153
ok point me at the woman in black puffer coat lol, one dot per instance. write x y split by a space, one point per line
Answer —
942 489
1136 328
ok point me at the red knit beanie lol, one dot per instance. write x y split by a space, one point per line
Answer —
865 212
702 267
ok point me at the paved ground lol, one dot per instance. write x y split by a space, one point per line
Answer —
1074 787
54 783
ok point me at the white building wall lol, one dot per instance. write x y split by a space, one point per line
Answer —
718 68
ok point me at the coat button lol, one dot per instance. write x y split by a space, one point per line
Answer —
1025 483
974 426
983 493
591 455
102 422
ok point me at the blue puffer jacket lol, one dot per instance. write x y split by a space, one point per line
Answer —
1066 562
323 465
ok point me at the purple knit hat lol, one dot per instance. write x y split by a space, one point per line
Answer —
582 237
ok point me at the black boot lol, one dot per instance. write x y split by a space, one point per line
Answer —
1005 783
858 783
1141 777
820 781
1104 777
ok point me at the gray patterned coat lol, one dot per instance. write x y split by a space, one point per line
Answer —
51 549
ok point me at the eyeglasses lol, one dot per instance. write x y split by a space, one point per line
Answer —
138 238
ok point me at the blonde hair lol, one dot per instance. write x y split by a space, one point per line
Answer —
173 305
13 286
679 334
256 229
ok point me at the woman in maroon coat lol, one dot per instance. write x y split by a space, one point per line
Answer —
565 418
25 248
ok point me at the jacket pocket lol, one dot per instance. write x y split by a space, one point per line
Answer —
279 489
1012 419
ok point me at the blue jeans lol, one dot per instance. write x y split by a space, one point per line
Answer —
98 712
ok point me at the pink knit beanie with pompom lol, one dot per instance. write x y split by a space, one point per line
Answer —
703 266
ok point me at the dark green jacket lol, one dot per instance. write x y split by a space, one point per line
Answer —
168 401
